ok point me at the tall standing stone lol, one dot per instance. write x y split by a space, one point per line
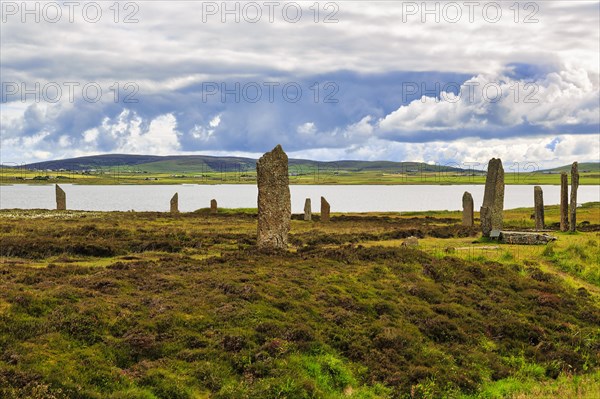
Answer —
564 202
538 200
213 206
493 198
175 203
468 208
307 210
274 204
61 199
325 209
574 187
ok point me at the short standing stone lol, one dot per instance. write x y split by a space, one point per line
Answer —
61 199
325 209
410 242
564 202
274 203
467 213
307 210
175 203
493 198
538 200
213 206
574 187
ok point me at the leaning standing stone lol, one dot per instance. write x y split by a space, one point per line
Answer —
213 206
307 210
325 208
493 198
61 199
175 203
538 200
274 204
467 213
564 202
574 187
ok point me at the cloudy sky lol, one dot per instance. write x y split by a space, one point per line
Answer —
448 82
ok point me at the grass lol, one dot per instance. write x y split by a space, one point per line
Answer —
154 305
581 258
527 387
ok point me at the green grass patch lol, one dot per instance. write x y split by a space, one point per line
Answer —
154 305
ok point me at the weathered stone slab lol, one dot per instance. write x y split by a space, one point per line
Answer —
213 206
325 210
274 204
175 203
410 242
61 199
574 187
468 208
525 238
307 210
493 198
564 202
538 200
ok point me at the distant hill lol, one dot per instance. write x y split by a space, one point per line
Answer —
95 161
583 167
205 163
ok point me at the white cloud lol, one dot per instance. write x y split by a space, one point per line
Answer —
360 130
160 138
568 97
513 151
90 136
127 133
307 129
64 141
215 122
206 133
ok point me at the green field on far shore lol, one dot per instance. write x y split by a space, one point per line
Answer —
16 176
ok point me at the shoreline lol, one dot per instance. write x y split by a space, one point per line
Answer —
585 183
253 211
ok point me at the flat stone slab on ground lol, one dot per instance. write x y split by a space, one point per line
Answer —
410 242
525 238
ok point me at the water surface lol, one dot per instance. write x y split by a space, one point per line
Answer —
351 198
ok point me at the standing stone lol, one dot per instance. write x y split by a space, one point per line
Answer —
325 208
574 187
538 200
61 199
564 202
274 204
307 210
175 203
468 207
213 206
493 198
410 242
